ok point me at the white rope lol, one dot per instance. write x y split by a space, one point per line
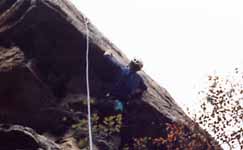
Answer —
88 88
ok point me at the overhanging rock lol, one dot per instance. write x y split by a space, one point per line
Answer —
49 40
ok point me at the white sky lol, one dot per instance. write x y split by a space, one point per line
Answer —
179 41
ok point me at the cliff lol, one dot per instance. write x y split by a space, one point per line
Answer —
43 87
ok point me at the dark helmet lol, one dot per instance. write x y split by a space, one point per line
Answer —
136 64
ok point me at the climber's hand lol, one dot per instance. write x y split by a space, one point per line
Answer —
108 53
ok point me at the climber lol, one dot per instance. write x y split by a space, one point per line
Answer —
128 84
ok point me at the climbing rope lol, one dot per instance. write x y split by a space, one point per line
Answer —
87 85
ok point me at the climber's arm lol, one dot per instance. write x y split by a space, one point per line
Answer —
111 60
137 85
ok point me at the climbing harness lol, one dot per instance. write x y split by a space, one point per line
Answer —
87 85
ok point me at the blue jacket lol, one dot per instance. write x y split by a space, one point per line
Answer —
127 82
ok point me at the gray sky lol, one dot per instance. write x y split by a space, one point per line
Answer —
180 42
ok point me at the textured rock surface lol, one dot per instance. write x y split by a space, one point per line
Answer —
10 58
42 66
13 137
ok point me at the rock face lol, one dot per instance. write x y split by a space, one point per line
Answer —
42 75
24 138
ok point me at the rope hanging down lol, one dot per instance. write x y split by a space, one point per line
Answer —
87 86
